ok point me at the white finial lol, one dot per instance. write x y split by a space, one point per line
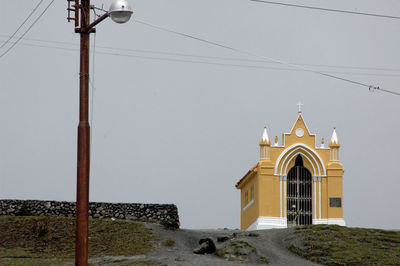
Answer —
334 139
299 105
265 135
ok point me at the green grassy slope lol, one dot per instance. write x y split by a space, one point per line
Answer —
54 237
337 245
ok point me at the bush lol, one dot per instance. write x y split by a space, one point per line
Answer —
41 228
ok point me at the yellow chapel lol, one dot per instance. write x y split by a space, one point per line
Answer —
295 183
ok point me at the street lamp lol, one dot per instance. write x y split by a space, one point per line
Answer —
120 12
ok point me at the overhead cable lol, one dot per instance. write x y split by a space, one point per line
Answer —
30 27
210 57
20 26
370 87
116 53
327 9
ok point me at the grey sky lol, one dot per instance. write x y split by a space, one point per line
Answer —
184 133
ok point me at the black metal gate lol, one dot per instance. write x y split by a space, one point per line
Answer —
299 194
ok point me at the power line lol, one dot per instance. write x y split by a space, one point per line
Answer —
327 9
214 57
20 26
239 65
34 22
247 60
297 67
207 62
370 87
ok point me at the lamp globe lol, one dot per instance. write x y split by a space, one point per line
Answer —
120 11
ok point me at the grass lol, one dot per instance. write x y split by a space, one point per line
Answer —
32 262
54 237
337 245
241 248
238 250
143 262
263 260
169 242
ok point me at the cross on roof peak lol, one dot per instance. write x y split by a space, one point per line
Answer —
299 104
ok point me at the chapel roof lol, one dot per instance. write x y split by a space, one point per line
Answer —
244 177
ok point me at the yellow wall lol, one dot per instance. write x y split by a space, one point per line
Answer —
324 199
269 190
251 214
334 189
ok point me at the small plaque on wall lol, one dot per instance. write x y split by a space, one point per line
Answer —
335 202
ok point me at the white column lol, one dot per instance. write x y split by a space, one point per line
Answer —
315 196
284 196
280 196
319 195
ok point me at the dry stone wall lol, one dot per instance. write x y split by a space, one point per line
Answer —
165 214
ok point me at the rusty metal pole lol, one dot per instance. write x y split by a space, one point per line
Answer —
83 163
82 190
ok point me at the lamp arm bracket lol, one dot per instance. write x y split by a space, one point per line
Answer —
90 28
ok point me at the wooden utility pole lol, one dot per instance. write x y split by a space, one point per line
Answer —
82 189
122 11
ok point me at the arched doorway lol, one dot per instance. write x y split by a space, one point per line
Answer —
299 194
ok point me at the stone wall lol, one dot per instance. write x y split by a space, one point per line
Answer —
165 214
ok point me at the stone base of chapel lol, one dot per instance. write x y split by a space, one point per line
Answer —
279 223
338 221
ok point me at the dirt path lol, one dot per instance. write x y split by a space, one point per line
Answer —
268 244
